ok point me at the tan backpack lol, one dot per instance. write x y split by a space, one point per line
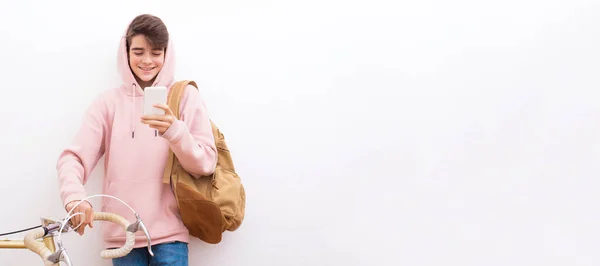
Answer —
209 205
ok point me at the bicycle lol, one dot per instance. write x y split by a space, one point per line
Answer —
43 240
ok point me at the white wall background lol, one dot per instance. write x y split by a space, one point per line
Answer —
366 132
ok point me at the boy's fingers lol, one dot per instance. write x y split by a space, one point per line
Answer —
74 221
90 217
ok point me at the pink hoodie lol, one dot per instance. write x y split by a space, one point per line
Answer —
135 158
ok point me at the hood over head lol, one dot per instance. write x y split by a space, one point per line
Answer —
164 78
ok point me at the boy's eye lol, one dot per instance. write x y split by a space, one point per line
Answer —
156 54
138 53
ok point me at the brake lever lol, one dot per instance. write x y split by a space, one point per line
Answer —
139 224
60 255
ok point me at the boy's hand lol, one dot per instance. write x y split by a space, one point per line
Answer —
86 219
160 122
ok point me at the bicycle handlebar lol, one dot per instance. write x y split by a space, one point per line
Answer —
130 236
37 247
53 259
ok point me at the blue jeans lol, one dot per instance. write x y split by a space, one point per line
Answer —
171 254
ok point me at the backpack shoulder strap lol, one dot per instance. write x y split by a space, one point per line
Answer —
175 94
173 101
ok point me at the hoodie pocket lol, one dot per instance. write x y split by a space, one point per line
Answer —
143 196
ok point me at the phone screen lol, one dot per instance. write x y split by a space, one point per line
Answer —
152 96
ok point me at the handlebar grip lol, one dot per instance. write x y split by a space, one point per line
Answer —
38 247
130 236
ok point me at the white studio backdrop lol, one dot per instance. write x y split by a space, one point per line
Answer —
366 132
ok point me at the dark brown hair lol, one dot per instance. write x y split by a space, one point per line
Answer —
152 28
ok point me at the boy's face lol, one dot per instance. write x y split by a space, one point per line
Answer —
145 62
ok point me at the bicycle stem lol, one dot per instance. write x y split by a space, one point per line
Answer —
61 252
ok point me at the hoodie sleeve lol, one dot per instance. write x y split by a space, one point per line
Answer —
77 161
191 137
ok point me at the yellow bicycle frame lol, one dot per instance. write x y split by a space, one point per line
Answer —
20 244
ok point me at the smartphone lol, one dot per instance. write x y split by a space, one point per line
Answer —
152 96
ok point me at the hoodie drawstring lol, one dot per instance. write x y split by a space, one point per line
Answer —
156 130
133 114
